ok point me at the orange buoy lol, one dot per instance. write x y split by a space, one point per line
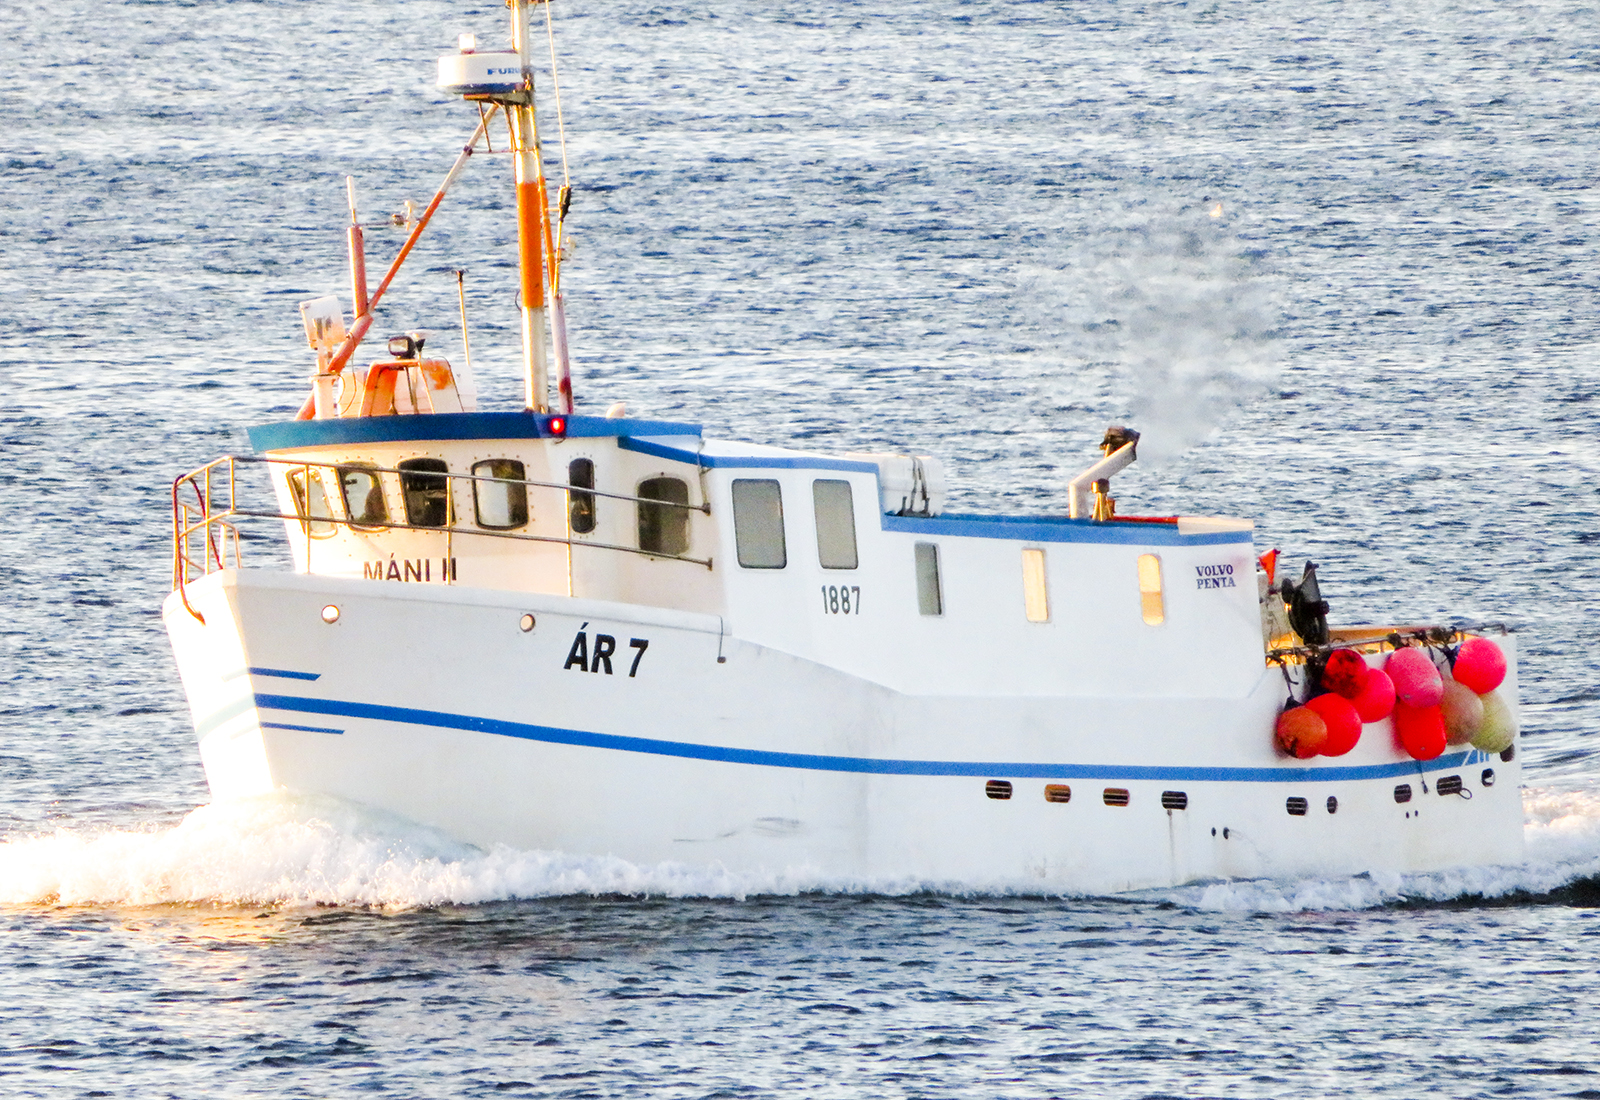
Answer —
1480 665
1301 732
1344 724
1376 701
1420 729
1346 673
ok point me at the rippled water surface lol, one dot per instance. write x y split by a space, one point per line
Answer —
1337 261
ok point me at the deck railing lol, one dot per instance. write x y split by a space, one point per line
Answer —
206 510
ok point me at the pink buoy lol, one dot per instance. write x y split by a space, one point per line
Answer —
1420 729
1344 724
1463 712
1416 682
1301 732
1346 673
1376 701
1480 665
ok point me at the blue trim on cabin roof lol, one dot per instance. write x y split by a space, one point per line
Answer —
998 769
1059 529
450 426
744 462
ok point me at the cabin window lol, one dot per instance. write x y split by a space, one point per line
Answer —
580 475
836 524
1035 597
930 601
426 491
363 496
758 523
1150 603
663 529
502 503
311 501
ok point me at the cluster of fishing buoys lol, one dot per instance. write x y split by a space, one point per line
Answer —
1431 709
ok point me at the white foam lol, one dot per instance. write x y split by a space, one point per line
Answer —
287 851
282 850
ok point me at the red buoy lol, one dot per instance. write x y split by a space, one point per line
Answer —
1480 665
1344 724
1376 701
1416 681
1420 729
1346 673
1301 732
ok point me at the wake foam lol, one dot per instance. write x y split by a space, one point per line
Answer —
285 851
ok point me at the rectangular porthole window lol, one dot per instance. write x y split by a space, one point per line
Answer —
500 504
1115 796
1035 597
663 529
930 601
998 789
1402 793
1449 784
1174 800
580 475
1150 604
758 523
363 497
311 501
426 491
1296 806
836 524
1057 792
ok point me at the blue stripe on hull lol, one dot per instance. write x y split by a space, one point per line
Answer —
858 764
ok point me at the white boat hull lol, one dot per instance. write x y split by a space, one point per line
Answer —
431 703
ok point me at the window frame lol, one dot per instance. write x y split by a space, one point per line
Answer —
850 513
749 509
647 506
364 524
583 514
411 467
498 482
928 552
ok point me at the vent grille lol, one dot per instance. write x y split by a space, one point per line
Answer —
1116 796
1057 792
1174 800
1333 804
1296 806
1450 784
998 788
1402 793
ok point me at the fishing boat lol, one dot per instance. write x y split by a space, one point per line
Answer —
608 635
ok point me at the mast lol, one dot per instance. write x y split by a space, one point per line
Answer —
532 222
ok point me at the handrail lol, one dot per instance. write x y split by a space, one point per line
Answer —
215 510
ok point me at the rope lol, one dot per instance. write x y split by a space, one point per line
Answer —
555 80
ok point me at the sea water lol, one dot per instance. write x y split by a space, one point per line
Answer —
1338 262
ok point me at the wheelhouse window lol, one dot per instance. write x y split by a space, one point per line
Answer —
758 523
1035 596
930 600
663 528
311 504
363 497
502 503
836 524
426 491
580 475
